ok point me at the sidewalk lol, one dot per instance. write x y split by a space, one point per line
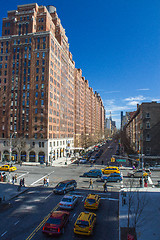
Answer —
57 163
8 191
148 223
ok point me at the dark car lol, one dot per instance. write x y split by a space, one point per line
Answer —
65 186
56 223
113 177
93 173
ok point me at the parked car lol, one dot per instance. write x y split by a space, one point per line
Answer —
68 202
93 173
155 168
83 160
56 223
92 201
92 159
65 186
85 223
8 168
113 177
138 173
110 169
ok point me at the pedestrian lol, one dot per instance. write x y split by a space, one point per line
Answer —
140 182
13 179
90 183
102 162
20 183
44 182
23 182
105 186
47 181
145 182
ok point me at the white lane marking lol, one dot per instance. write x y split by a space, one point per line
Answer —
3 233
49 195
150 180
16 223
22 175
73 216
41 178
83 199
102 193
112 199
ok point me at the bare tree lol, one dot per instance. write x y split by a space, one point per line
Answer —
136 203
19 145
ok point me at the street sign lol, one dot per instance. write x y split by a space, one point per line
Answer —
120 160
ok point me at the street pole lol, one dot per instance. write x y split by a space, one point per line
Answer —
142 173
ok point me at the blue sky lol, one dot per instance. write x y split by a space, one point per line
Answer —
116 43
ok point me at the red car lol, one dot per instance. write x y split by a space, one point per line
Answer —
56 223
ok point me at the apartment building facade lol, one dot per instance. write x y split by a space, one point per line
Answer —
37 86
143 129
89 113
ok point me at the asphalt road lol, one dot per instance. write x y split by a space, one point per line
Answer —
28 212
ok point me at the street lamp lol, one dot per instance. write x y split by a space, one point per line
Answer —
10 155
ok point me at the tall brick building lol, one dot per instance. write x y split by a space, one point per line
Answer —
143 130
37 86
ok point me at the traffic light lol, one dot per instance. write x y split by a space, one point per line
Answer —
112 159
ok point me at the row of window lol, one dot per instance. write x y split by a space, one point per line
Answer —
21 41
1 58
60 143
24 18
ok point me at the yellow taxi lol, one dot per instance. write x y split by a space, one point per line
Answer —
92 201
8 168
85 223
111 169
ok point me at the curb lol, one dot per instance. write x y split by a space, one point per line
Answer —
25 190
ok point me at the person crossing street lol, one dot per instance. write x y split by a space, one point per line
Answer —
90 183
105 186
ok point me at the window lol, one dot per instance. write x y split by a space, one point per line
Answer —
37 55
148 151
148 138
147 125
36 110
36 78
42 102
37 70
36 94
147 115
39 144
35 135
42 144
36 86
